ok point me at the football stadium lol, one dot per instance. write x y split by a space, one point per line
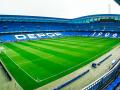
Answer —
47 53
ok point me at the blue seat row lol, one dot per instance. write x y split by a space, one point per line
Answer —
13 37
114 84
22 27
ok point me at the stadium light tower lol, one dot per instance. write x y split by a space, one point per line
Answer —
109 9
117 1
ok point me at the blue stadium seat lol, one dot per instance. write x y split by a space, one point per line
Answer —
114 84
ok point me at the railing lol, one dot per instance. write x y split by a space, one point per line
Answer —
71 81
11 77
6 71
101 81
99 63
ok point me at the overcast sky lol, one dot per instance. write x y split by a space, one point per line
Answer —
58 8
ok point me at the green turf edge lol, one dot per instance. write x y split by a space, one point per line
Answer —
12 68
33 84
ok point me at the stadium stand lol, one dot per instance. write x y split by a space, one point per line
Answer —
99 63
106 25
103 80
18 28
114 84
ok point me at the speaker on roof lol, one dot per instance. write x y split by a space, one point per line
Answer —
117 1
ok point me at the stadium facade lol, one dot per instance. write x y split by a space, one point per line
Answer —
14 28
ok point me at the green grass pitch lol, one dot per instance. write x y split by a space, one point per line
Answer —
36 63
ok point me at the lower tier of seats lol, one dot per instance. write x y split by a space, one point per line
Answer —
32 36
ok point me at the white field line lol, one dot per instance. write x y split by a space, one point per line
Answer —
73 66
11 75
38 81
78 64
105 75
21 68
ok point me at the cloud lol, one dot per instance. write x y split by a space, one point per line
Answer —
57 8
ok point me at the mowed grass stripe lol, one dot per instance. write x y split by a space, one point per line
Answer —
74 42
26 63
81 42
36 54
60 67
18 74
18 45
79 65
66 49
39 50
40 62
84 50
85 40
54 76
61 49
40 70
106 45
44 54
65 57
77 47
76 39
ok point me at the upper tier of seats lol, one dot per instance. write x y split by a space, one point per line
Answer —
13 24
32 36
9 27
114 84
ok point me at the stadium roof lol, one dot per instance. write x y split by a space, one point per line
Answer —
20 18
23 18
99 15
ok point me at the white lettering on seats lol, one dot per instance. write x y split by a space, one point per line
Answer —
115 35
20 37
94 34
107 34
50 34
99 34
58 34
32 36
40 35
